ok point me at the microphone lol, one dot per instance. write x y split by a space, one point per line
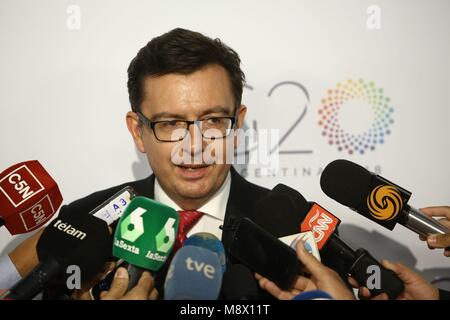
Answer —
313 295
194 274
144 236
112 208
283 202
210 242
239 283
263 253
375 197
29 197
70 240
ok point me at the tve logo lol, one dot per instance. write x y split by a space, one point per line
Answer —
20 185
201 267
321 223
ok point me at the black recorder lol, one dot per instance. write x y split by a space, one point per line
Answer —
263 253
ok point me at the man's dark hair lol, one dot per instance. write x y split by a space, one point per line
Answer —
184 52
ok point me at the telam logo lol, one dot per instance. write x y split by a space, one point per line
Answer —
67 228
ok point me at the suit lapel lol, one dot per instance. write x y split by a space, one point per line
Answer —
146 187
239 205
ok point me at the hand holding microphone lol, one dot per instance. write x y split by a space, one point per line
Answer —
70 240
144 289
321 278
439 240
416 287
29 197
294 213
376 198
145 236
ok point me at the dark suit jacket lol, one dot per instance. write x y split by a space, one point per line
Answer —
243 196
242 199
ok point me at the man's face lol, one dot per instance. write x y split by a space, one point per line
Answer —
203 94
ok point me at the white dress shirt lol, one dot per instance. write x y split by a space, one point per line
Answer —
8 273
214 209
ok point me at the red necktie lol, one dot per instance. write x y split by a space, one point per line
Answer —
188 219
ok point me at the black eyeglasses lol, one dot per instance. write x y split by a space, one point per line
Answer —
176 130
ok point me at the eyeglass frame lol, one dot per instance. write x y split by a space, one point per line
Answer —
151 124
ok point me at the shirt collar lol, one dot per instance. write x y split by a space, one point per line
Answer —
214 207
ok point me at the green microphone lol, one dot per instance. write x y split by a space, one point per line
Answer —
144 236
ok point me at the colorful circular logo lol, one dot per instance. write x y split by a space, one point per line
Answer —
336 99
384 202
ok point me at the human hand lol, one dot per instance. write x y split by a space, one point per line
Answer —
321 278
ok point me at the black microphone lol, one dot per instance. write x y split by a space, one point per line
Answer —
70 240
239 283
375 197
285 211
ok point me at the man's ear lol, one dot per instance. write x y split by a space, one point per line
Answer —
241 116
239 123
135 128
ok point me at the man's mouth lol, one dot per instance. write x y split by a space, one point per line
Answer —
192 167
193 171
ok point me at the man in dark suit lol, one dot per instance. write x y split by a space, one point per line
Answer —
242 197
185 92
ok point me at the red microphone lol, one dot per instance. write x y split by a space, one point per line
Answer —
29 197
321 223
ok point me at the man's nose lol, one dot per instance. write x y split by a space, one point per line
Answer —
196 139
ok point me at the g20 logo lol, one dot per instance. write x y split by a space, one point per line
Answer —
366 96
335 102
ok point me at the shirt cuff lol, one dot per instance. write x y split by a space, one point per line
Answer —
9 275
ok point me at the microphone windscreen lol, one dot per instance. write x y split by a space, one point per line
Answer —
281 211
194 274
146 233
210 242
29 197
313 295
82 240
239 283
346 182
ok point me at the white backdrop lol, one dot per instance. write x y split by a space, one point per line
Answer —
64 98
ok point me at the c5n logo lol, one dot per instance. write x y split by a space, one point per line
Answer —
133 225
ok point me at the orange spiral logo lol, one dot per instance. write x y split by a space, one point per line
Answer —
384 202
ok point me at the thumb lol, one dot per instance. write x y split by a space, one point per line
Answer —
309 261
119 285
439 240
405 274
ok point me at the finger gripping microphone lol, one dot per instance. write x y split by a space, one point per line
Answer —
194 274
144 236
361 264
29 197
375 197
69 240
